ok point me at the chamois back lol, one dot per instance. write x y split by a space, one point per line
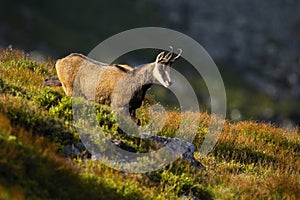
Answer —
107 82
89 73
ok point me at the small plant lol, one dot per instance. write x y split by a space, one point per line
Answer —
48 98
62 109
106 118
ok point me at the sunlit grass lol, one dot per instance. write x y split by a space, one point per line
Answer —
250 160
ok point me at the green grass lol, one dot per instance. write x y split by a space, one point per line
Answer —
250 161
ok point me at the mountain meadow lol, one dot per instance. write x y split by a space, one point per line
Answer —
41 156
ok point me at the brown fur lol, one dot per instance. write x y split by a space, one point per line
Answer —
68 67
107 84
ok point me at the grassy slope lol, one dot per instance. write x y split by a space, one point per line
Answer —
250 160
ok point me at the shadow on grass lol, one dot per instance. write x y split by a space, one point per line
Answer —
20 113
42 175
244 155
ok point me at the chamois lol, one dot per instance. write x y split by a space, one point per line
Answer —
118 85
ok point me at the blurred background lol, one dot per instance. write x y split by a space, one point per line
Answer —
255 44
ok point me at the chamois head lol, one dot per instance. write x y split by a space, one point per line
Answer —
163 63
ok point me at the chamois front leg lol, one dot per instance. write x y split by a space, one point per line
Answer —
136 102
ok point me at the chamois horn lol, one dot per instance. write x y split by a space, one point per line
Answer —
168 56
176 57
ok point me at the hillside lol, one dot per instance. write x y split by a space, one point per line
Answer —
255 44
41 156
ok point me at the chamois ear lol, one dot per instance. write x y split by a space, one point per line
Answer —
160 56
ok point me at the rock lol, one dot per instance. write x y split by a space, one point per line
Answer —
178 146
